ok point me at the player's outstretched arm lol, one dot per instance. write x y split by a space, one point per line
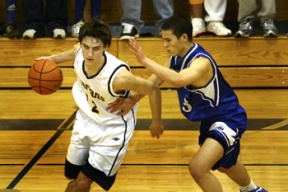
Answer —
199 70
127 81
124 105
61 57
163 72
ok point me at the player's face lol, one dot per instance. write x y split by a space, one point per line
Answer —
174 46
92 50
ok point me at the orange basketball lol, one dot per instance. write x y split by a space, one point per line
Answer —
45 77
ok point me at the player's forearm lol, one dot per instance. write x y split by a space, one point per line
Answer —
135 97
63 56
155 103
162 72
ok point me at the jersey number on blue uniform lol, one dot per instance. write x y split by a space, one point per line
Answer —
186 107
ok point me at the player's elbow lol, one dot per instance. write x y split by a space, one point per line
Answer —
154 90
176 83
154 87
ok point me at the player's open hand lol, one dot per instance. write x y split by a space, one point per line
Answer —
122 105
137 50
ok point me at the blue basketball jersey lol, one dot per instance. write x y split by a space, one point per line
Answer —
214 102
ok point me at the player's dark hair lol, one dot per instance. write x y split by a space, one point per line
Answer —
179 25
97 29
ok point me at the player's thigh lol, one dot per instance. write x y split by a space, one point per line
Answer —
108 154
78 150
208 155
229 139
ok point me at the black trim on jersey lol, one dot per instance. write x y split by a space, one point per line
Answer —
124 93
120 149
124 139
91 77
133 115
134 118
123 143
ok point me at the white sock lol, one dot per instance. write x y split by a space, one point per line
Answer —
249 187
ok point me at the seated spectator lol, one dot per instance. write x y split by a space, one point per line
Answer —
215 15
78 22
10 29
131 21
247 14
196 10
37 19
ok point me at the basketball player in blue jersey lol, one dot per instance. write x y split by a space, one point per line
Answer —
204 96
100 138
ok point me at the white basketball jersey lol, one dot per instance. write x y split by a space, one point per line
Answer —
93 94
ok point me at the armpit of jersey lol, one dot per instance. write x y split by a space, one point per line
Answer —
210 92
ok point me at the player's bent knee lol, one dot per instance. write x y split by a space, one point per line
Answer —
83 183
195 170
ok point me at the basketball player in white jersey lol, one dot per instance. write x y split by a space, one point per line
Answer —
204 96
100 138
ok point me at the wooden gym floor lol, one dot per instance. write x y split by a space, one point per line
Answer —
32 151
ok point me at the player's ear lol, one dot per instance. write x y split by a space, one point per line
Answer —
184 37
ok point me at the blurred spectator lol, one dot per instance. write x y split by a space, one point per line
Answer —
131 19
36 18
95 10
216 10
196 11
10 28
247 13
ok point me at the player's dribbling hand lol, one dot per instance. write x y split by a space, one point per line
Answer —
156 129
